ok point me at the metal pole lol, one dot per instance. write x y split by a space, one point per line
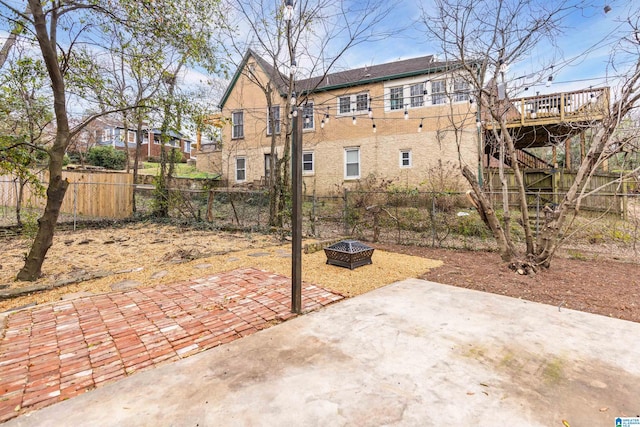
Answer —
296 216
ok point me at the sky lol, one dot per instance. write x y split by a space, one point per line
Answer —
582 59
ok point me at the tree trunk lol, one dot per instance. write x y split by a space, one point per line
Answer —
57 186
47 223
488 215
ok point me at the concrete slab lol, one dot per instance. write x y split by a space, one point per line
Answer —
414 353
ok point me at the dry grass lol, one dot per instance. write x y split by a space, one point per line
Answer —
137 252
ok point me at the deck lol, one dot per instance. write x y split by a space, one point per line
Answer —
564 107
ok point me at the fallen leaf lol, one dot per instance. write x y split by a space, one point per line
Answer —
604 409
470 393
565 423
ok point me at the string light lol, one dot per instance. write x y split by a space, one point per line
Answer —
307 120
294 67
326 116
374 126
288 10
420 126
550 79
406 113
370 113
293 98
353 118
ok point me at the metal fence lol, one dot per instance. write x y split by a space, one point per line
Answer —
403 217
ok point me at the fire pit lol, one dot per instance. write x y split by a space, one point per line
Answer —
349 253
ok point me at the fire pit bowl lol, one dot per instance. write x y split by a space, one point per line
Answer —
349 253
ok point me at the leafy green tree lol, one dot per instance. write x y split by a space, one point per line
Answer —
62 30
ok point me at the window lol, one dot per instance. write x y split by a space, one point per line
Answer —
131 136
273 119
405 158
267 166
461 90
396 98
438 92
362 102
107 135
417 95
187 146
307 162
307 114
357 103
352 163
345 105
238 125
241 169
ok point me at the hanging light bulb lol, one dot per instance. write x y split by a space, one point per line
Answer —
374 128
322 124
370 113
406 114
550 79
288 10
295 112
326 116
353 119
478 123
420 126
293 98
294 67
307 120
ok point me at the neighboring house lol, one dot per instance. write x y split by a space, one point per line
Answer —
110 131
400 121
392 120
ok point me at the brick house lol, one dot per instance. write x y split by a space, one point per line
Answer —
395 121
110 131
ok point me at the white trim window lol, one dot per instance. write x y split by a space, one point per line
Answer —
241 169
273 119
307 114
460 90
308 166
438 92
352 163
187 147
362 102
416 95
107 135
237 118
131 136
344 105
357 104
396 97
405 159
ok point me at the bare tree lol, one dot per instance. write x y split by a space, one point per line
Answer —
310 44
483 38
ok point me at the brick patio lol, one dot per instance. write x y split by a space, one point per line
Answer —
57 351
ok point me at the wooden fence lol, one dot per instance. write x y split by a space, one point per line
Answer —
90 194
549 187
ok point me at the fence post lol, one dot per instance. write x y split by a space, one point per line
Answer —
433 221
75 204
346 212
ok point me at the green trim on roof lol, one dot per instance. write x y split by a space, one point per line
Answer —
382 79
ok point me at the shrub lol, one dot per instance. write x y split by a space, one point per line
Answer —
107 157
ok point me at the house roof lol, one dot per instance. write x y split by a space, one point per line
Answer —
276 76
349 78
375 73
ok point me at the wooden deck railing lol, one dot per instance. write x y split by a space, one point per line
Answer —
581 105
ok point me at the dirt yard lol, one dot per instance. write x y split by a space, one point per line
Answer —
96 261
